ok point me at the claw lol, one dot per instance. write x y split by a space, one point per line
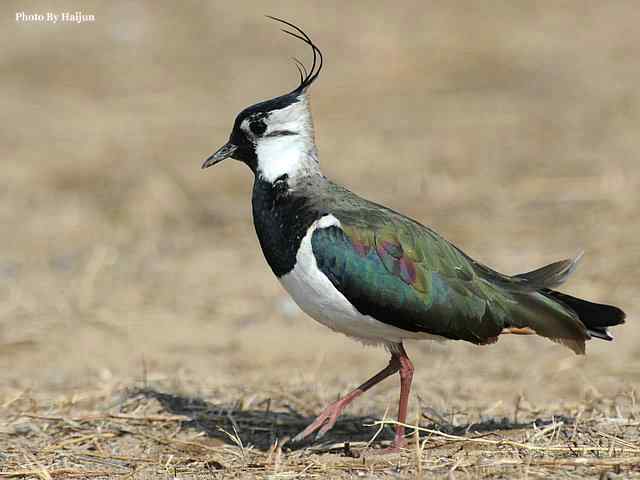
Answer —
309 430
324 422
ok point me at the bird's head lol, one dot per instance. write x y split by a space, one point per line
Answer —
276 136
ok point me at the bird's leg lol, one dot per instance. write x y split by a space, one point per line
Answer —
406 375
329 415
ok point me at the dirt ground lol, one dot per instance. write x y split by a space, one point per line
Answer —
141 332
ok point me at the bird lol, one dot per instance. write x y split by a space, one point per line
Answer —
378 276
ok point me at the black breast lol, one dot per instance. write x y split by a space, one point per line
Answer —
281 218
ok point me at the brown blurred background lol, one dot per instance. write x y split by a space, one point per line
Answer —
510 127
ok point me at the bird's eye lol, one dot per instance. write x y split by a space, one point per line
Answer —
257 128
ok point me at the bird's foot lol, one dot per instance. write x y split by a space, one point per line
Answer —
323 422
398 444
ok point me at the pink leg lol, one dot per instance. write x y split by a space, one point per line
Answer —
406 375
399 362
330 414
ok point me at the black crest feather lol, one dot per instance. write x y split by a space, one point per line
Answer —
307 77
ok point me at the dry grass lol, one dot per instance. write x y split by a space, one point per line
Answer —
143 433
142 335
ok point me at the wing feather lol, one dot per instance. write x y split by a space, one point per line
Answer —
395 277
405 274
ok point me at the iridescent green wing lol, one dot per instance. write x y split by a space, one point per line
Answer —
405 275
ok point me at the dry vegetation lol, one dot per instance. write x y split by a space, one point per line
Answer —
141 333
142 433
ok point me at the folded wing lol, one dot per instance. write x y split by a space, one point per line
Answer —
406 275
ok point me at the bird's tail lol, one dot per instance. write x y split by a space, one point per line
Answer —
558 316
595 316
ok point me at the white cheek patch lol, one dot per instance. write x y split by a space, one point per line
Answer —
293 154
294 118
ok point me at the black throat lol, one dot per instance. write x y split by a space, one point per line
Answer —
281 217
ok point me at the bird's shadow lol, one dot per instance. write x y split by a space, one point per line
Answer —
262 427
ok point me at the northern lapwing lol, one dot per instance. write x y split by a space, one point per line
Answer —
373 274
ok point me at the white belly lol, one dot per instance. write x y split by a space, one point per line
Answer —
317 297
